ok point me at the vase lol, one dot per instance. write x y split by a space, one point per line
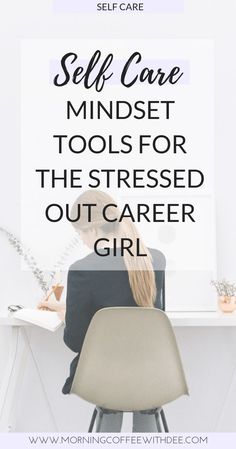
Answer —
227 304
58 291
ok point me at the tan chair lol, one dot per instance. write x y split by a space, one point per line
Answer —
130 362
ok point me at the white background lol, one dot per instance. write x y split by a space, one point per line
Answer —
207 377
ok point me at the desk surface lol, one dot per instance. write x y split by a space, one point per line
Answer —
178 319
202 319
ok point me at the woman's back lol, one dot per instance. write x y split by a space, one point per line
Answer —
96 282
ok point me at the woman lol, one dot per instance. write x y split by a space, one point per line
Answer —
101 280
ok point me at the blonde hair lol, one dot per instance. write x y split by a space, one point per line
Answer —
140 268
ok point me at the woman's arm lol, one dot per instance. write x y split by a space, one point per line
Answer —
159 265
78 308
76 313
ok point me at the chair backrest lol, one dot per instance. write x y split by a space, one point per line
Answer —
129 360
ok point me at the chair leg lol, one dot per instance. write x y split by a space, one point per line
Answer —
99 421
158 423
163 417
94 415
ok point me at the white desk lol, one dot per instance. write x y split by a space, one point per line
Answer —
202 319
179 319
17 359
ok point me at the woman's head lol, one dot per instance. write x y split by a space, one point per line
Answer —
92 225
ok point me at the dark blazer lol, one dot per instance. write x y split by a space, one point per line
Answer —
96 282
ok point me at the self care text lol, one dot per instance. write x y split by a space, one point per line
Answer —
95 75
121 6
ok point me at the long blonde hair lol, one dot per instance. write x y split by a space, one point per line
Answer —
139 268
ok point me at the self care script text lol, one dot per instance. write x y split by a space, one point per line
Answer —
96 74
85 75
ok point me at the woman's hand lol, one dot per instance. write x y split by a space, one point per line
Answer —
53 305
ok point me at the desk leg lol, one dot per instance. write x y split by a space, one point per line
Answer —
50 409
228 396
11 381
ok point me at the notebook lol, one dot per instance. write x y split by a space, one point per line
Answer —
43 318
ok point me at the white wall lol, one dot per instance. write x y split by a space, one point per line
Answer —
208 354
